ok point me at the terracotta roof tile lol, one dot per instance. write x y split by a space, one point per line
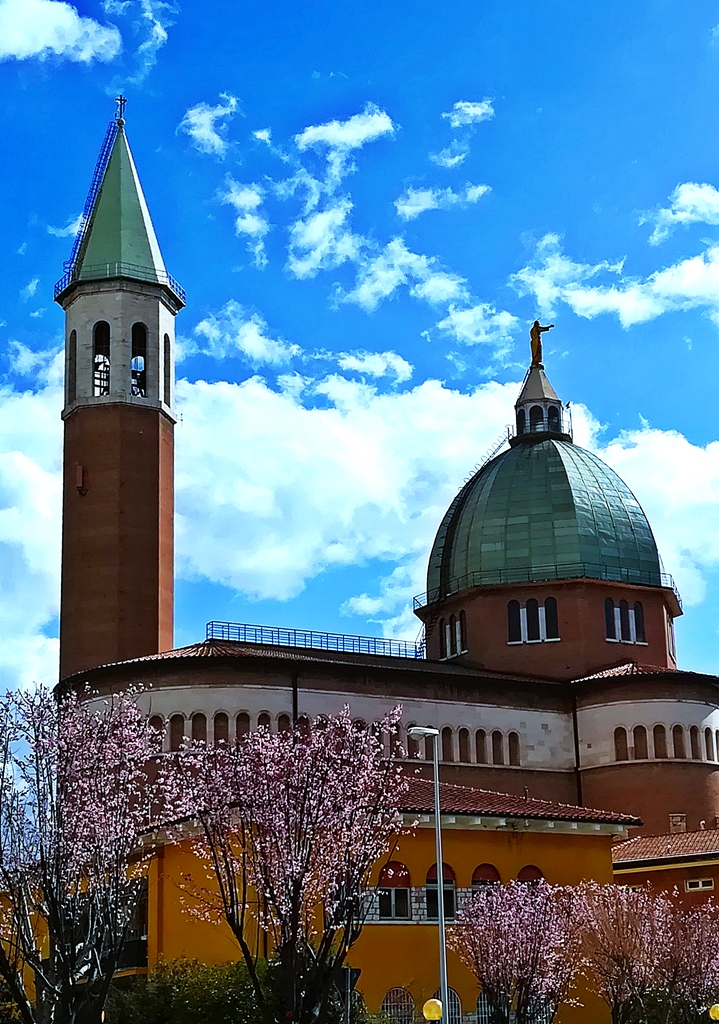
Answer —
630 668
468 800
670 846
240 649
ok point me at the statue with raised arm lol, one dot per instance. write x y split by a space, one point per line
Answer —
535 335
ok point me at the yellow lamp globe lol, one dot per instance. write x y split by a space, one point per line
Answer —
714 1011
432 1010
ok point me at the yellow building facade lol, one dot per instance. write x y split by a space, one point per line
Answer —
486 835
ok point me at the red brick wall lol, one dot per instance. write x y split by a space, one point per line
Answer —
582 649
654 790
117 544
672 880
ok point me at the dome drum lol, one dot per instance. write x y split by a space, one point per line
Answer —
553 629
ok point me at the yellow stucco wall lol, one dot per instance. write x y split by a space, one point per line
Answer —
399 954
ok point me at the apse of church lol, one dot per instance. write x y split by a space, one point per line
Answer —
547 660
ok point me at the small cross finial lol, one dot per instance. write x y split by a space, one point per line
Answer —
120 112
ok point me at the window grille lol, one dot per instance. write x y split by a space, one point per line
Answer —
448 889
398 1005
455 1006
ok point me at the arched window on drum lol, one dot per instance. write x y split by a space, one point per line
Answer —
535 621
221 728
678 741
177 732
199 728
394 890
621 747
659 734
694 743
641 747
624 622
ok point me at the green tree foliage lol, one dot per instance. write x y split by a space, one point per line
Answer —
184 992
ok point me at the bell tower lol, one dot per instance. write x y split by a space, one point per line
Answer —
118 465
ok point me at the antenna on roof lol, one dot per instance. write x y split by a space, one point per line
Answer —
120 112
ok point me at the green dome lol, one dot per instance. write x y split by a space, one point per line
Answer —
540 511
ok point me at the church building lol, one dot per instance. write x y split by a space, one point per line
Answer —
548 662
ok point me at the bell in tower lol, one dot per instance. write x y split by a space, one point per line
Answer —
118 503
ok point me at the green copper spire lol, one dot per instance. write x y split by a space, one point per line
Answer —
120 239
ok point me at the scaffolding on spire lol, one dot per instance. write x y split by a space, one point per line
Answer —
100 167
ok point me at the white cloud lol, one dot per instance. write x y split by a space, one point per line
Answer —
340 138
30 518
376 364
234 331
452 156
151 20
69 231
46 365
378 277
43 28
267 515
690 203
29 290
247 200
465 112
419 200
480 325
322 241
677 483
552 277
207 126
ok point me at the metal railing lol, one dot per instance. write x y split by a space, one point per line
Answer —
540 573
279 636
97 179
100 271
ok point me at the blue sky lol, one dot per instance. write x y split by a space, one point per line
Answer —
368 205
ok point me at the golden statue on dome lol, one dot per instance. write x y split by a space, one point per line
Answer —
535 335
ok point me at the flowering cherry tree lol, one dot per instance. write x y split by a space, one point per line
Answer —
627 942
291 824
522 942
74 798
650 957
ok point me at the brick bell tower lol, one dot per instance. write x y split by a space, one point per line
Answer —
118 493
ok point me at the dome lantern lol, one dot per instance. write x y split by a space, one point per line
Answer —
539 409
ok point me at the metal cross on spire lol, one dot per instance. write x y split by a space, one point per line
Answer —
120 112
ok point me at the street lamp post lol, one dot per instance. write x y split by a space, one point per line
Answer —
443 989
